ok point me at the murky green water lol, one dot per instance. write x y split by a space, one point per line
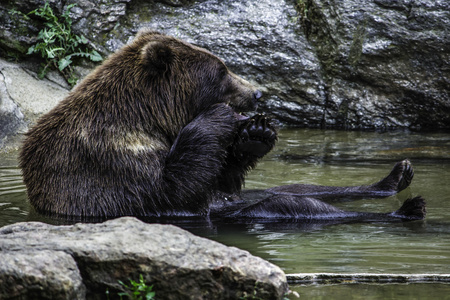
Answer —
419 291
353 158
332 158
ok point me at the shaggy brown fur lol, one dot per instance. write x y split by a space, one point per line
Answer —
146 133
155 131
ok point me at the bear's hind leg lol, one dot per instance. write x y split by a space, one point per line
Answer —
398 179
412 209
288 207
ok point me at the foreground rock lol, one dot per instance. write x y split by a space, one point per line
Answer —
41 261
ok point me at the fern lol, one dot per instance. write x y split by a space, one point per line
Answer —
57 44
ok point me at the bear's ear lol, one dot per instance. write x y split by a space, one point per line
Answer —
157 56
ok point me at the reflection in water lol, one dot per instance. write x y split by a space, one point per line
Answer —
327 158
14 206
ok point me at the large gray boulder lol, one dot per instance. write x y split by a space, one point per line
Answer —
344 64
41 261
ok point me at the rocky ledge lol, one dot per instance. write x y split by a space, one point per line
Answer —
350 64
23 99
83 261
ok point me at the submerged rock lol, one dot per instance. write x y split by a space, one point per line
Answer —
85 260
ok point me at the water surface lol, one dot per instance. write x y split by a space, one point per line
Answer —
354 158
330 158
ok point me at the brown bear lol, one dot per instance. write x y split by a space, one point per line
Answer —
156 130
146 133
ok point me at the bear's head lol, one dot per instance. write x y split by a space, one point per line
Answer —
188 79
164 56
158 81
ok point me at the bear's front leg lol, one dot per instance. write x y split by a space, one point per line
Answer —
196 159
255 137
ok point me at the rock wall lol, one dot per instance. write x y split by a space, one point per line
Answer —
321 63
24 98
385 62
83 261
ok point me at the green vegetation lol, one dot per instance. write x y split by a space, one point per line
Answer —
137 290
357 43
141 291
304 9
58 45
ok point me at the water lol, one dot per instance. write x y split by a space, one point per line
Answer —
331 158
353 158
374 291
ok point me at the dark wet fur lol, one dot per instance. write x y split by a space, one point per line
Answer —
412 209
155 132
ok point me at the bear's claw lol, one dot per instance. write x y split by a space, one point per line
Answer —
260 129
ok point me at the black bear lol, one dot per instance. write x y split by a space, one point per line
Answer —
157 130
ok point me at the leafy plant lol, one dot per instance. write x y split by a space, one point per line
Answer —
305 10
138 290
58 45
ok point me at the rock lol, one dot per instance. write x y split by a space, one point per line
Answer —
375 64
24 98
11 118
385 62
94 19
17 33
361 278
40 275
259 40
93 257
346 64
97 19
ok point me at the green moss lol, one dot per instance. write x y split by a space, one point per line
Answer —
10 46
304 8
357 44
13 46
315 27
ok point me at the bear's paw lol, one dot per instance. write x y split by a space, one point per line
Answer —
257 136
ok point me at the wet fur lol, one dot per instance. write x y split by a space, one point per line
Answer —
154 131
308 202
146 133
